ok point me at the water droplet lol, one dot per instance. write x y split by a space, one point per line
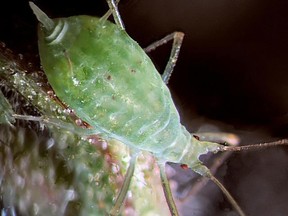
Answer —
30 64
50 142
20 56
68 111
51 93
115 168
78 122
104 145
2 44
35 208
70 195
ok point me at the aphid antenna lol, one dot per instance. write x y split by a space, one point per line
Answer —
253 146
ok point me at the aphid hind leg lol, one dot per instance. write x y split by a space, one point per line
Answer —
167 190
205 172
177 38
124 189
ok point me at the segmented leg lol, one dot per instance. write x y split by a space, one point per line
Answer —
167 190
114 9
205 172
58 123
177 38
109 12
124 189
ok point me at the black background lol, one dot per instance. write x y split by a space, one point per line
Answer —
232 73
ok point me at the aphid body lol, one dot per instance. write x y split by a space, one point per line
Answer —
110 82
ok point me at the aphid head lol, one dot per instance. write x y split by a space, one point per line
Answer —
54 31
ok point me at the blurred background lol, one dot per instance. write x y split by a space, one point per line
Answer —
232 75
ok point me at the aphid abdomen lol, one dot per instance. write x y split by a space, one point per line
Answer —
106 77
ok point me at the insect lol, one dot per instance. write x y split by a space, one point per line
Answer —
108 80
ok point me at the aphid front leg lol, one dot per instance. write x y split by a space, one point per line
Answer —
109 12
177 38
113 7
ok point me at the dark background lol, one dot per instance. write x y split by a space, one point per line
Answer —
232 75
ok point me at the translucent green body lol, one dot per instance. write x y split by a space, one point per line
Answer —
109 81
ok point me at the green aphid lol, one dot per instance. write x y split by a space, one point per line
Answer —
109 81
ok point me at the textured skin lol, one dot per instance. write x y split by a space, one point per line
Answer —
109 81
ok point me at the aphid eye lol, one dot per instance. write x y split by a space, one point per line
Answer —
184 166
196 137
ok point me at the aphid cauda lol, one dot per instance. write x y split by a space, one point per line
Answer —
109 81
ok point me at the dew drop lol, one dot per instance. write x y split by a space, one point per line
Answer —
20 56
104 145
2 44
36 209
50 93
115 168
78 122
50 142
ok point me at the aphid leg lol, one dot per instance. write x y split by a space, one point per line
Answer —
167 190
177 38
205 172
109 12
58 123
124 189
113 7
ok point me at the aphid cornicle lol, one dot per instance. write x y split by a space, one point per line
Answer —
109 81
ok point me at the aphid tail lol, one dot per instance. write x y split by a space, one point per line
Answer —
191 157
42 17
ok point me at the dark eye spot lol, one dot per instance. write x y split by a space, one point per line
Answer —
184 166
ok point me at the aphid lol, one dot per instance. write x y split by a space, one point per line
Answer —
108 80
